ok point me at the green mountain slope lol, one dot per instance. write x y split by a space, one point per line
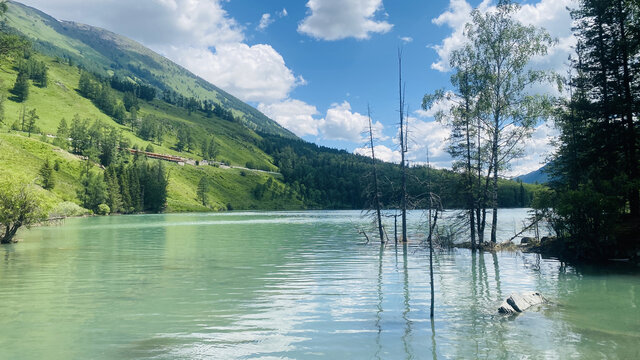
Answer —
105 53
21 156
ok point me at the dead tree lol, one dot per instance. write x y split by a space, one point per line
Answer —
403 149
376 190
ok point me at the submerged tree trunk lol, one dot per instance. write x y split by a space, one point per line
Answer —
376 192
403 200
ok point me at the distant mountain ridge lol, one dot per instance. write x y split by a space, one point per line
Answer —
539 176
106 53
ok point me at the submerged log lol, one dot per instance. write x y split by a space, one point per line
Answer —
517 303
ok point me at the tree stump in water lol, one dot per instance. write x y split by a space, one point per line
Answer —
517 303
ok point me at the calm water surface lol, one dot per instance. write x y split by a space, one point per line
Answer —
294 286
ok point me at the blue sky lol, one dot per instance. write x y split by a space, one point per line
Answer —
315 65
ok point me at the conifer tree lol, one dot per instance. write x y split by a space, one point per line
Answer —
21 87
46 175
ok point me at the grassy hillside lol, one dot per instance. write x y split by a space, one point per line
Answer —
21 156
106 53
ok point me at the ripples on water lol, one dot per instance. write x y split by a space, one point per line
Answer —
293 285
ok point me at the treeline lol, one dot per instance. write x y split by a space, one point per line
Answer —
191 104
126 85
28 69
336 179
149 127
129 183
595 173
103 97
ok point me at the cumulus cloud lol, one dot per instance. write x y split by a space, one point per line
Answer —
550 14
406 39
265 21
253 73
152 22
382 152
428 137
197 34
294 115
341 19
536 150
341 123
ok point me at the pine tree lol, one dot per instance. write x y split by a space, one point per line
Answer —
203 188
46 175
31 124
21 87
62 135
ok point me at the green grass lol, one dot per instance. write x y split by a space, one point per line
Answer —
104 52
21 157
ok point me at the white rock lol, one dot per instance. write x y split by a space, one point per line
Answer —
517 303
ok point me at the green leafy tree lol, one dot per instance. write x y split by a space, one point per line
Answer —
3 100
46 175
93 192
31 122
596 206
503 48
114 196
62 135
21 87
119 113
19 206
203 188
130 100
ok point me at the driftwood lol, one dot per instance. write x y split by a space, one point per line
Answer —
517 303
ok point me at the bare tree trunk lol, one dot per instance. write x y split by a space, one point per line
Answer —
403 201
376 192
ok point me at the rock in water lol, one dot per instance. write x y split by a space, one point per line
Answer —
517 303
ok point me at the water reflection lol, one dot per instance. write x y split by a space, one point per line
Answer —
379 305
301 289
406 341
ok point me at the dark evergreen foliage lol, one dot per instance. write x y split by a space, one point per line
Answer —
595 171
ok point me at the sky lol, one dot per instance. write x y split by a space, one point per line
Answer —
317 66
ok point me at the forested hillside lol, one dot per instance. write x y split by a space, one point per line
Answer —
78 101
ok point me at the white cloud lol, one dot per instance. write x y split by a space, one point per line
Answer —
406 39
294 115
341 123
283 13
197 34
550 14
253 73
456 17
152 22
265 21
428 136
382 152
340 19
536 150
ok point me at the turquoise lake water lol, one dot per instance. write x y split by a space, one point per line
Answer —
295 285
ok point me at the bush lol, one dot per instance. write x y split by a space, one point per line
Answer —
103 209
19 206
68 209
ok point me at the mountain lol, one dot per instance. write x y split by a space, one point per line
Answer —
539 176
94 81
106 53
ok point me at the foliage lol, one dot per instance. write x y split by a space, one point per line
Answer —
203 188
19 206
46 175
595 170
21 87
494 110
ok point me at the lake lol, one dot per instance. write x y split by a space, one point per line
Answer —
295 285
